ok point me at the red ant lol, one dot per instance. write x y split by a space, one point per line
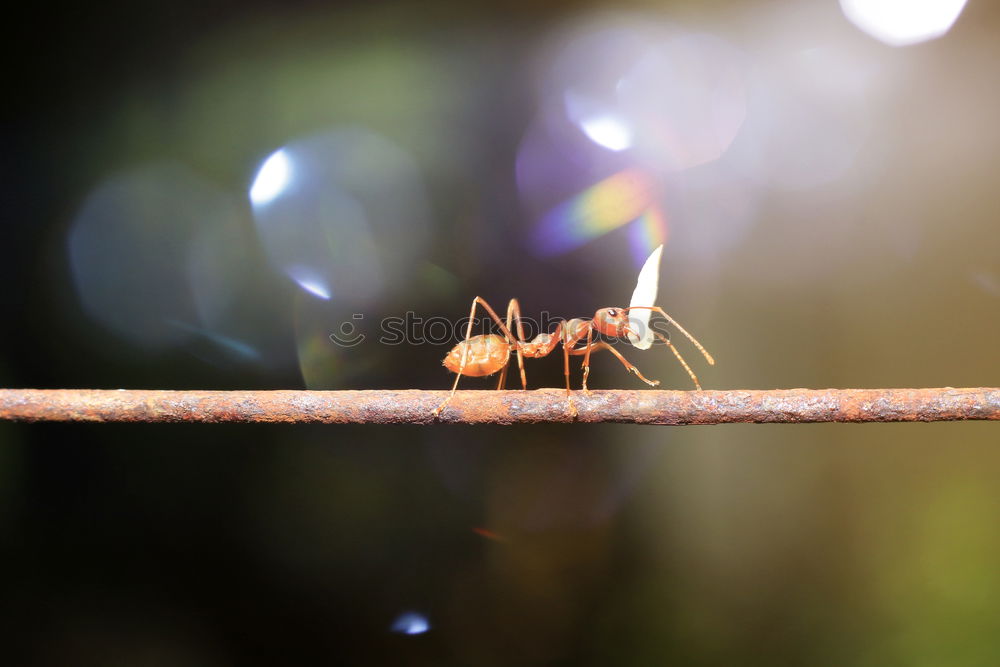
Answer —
482 355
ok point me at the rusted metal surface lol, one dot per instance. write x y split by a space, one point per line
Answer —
502 407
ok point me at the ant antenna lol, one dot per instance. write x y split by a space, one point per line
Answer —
691 338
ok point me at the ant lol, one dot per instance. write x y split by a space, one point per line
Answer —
482 355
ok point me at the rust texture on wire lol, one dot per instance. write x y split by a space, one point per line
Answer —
502 407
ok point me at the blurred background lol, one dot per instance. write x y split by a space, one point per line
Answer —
197 195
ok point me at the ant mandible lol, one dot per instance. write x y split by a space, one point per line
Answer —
485 354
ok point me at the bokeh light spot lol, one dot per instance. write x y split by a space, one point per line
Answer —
272 178
411 623
130 254
605 128
355 220
608 131
903 22
308 281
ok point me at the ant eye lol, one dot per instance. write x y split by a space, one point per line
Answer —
612 312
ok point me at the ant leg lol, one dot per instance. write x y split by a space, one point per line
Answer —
586 358
496 318
597 347
465 358
503 371
568 342
566 346
514 310
478 301
694 378
691 338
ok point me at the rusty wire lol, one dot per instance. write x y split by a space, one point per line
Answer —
502 407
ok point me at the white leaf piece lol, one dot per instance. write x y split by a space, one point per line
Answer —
644 295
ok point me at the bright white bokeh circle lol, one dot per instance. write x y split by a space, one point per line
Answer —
903 22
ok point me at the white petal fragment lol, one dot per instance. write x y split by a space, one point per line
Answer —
644 295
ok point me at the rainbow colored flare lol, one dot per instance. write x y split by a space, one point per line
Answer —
628 196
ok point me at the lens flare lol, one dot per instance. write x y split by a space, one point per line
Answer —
627 196
636 98
229 344
649 231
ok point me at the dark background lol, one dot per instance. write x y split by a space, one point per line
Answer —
844 236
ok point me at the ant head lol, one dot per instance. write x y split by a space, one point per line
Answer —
611 321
